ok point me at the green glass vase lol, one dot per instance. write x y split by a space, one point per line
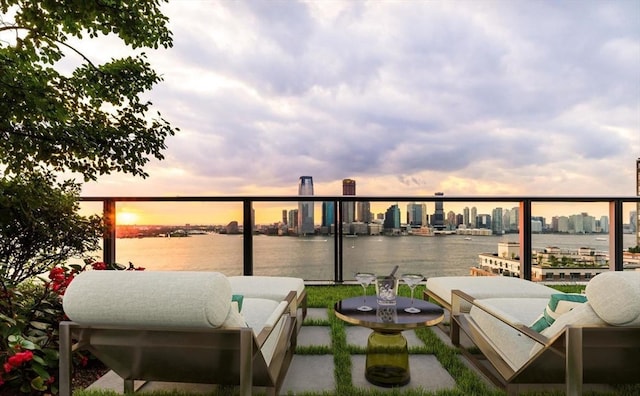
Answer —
387 359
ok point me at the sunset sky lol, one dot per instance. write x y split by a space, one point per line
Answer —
407 97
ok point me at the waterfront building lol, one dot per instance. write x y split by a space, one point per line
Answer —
306 225
348 208
392 220
473 218
506 219
483 221
496 221
292 223
363 212
552 263
328 216
465 217
284 216
417 214
437 220
514 219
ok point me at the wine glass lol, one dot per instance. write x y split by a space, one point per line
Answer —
412 281
365 279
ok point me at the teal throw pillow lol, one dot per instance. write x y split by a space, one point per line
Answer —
558 304
238 298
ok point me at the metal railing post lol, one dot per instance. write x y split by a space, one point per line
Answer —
109 236
338 268
247 232
525 239
616 258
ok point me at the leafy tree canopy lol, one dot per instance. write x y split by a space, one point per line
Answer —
92 120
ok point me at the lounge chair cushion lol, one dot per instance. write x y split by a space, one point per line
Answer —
149 298
559 304
270 287
511 344
582 315
615 297
486 287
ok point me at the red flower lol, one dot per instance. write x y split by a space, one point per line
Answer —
50 381
17 359
99 266
7 368
84 361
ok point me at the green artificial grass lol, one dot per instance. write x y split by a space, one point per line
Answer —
467 381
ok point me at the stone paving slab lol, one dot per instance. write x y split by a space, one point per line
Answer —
317 313
309 373
426 374
314 335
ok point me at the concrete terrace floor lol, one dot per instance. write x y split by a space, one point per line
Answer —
315 373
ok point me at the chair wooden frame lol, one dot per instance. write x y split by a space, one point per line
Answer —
577 355
194 355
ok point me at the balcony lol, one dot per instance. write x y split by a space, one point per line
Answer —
315 369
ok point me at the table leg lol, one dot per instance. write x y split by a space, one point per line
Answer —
387 359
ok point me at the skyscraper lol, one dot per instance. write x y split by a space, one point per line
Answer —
348 208
306 208
438 215
327 214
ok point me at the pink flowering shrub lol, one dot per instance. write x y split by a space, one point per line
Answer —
30 314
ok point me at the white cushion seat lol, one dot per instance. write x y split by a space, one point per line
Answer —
482 287
510 343
270 287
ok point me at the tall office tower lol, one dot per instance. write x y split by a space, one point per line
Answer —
328 217
305 209
633 220
293 219
484 221
363 212
474 217
506 219
415 214
496 221
465 217
284 216
451 220
437 221
514 220
604 224
392 218
348 208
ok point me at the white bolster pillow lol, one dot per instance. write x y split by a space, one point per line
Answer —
148 298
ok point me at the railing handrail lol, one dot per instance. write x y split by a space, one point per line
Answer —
524 202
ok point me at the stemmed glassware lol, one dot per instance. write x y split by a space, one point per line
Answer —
365 279
412 281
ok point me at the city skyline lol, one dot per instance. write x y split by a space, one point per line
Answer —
469 98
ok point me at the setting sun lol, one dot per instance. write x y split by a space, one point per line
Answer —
126 218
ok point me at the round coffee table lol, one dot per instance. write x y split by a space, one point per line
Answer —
387 353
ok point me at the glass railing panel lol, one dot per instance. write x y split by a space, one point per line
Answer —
282 248
183 236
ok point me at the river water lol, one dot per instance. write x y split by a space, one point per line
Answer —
311 258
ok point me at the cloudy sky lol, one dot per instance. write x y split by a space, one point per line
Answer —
407 97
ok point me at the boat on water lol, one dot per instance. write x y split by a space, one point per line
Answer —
601 239
467 238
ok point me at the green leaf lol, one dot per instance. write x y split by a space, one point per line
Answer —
38 384
38 369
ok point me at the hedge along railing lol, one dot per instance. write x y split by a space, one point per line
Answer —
524 203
